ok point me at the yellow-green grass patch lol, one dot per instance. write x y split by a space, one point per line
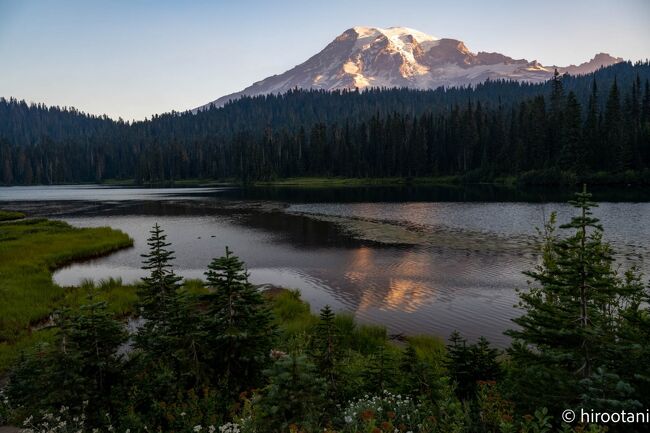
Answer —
30 250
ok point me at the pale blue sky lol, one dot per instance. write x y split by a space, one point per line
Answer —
139 57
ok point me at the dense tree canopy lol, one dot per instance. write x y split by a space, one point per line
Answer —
578 125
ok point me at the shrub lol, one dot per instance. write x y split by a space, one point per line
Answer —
387 412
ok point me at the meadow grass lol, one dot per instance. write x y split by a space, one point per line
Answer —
30 249
191 182
429 348
29 341
119 297
334 182
297 322
8 215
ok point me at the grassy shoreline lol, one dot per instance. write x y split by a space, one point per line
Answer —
6 215
329 182
536 178
302 182
180 183
550 177
30 250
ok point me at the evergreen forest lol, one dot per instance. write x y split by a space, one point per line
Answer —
593 128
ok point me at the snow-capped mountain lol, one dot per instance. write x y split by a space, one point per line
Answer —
364 57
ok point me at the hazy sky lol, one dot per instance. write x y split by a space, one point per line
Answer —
135 58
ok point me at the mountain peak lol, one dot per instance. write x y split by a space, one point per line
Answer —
363 57
394 32
600 60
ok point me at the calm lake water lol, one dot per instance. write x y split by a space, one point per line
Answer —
416 259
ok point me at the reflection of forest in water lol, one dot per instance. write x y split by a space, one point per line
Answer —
417 267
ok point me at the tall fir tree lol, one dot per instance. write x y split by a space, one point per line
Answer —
83 371
169 361
470 363
158 296
612 129
593 141
572 154
556 119
568 333
293 396
326 352
379 371
238 326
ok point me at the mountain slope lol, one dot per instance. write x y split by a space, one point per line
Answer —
364 57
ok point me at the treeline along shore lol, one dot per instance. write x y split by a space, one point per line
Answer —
593 128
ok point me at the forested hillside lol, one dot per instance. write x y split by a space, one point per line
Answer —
567 129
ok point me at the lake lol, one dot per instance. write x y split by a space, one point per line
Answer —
416 259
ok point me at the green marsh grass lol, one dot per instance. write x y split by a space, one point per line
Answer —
30 250
297 322
330 182
7 215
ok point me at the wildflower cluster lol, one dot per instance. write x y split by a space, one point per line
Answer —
5 407
60 422
387 412
229 428
63 421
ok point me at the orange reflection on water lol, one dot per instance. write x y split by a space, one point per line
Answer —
406 295
398 288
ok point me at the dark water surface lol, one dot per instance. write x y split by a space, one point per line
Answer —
416 259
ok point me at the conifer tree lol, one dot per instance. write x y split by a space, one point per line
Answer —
326 351
160 287
417 377
593 141
556 118
158 295
632 359
408 368
293 395
93 339
169 360
573 155
83 366
238 325
379 373
612 127
459 364
570 328
645 104
470 363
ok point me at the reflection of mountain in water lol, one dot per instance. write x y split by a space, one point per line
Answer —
458 269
